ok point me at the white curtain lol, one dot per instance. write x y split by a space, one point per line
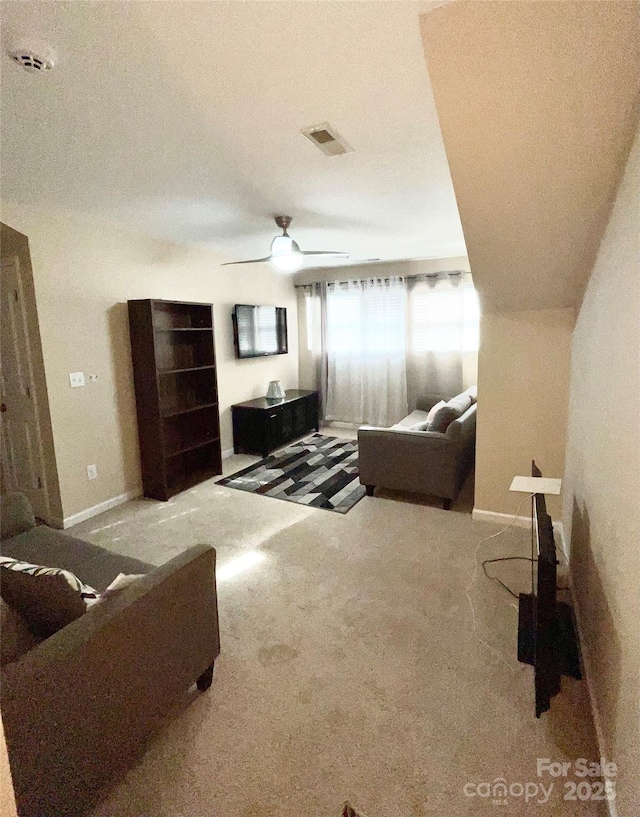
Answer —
379 345
359 343
316 315
443 326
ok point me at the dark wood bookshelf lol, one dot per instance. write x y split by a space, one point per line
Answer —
174 371
182 329
188 369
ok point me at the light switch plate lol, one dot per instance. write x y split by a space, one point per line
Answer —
76 379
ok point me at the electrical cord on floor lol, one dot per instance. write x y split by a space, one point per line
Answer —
504 559
510 559
474 625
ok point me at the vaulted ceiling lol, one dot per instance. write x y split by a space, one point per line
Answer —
182 120
538 105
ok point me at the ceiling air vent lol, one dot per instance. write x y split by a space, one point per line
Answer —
34 56
325 138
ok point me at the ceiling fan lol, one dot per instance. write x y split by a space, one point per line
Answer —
285 254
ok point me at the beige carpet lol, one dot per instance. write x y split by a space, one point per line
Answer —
350 669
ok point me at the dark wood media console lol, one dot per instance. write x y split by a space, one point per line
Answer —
262 425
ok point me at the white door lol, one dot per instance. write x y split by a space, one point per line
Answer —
22 454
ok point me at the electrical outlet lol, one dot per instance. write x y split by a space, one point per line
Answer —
92 471
76 379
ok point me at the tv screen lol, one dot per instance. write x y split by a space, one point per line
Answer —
260 330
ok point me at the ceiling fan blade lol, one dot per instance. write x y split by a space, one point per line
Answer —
250 261
326 252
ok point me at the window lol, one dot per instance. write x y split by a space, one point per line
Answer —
343 320
367 318
444 316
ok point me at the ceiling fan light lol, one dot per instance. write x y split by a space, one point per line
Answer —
288 262
283 245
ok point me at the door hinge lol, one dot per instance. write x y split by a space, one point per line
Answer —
15 295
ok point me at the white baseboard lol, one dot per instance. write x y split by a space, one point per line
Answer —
226 454
588 675
523 521
337 424
101 507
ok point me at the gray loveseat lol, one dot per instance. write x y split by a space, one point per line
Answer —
425 462
78 706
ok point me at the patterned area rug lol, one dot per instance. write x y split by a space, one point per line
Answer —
320 471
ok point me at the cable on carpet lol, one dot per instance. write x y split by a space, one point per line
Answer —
473 578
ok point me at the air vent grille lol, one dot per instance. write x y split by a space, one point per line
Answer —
325 138
32 61
321 136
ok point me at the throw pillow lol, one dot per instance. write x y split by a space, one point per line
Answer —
444 417
17 639
420 426
433 411
121 581
48 598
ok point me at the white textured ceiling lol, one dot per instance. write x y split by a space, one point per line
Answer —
182 120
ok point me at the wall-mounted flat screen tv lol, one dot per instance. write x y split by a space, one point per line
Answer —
260 330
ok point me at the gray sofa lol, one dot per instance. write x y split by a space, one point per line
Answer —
424 462
78 707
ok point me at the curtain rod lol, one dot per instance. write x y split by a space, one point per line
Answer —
386 278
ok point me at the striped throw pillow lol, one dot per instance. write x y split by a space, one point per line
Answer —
48 598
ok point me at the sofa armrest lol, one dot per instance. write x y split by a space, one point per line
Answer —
16 515
79 705
423 462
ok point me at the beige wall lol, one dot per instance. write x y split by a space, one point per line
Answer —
523 391
602 485
84 273
404 268
538 106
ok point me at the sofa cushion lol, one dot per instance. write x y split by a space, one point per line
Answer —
451 411
416 421
94 565
100 571
17 639
46 546
461 402
48 598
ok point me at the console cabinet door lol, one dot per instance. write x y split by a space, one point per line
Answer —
272 431
286 422
299 417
